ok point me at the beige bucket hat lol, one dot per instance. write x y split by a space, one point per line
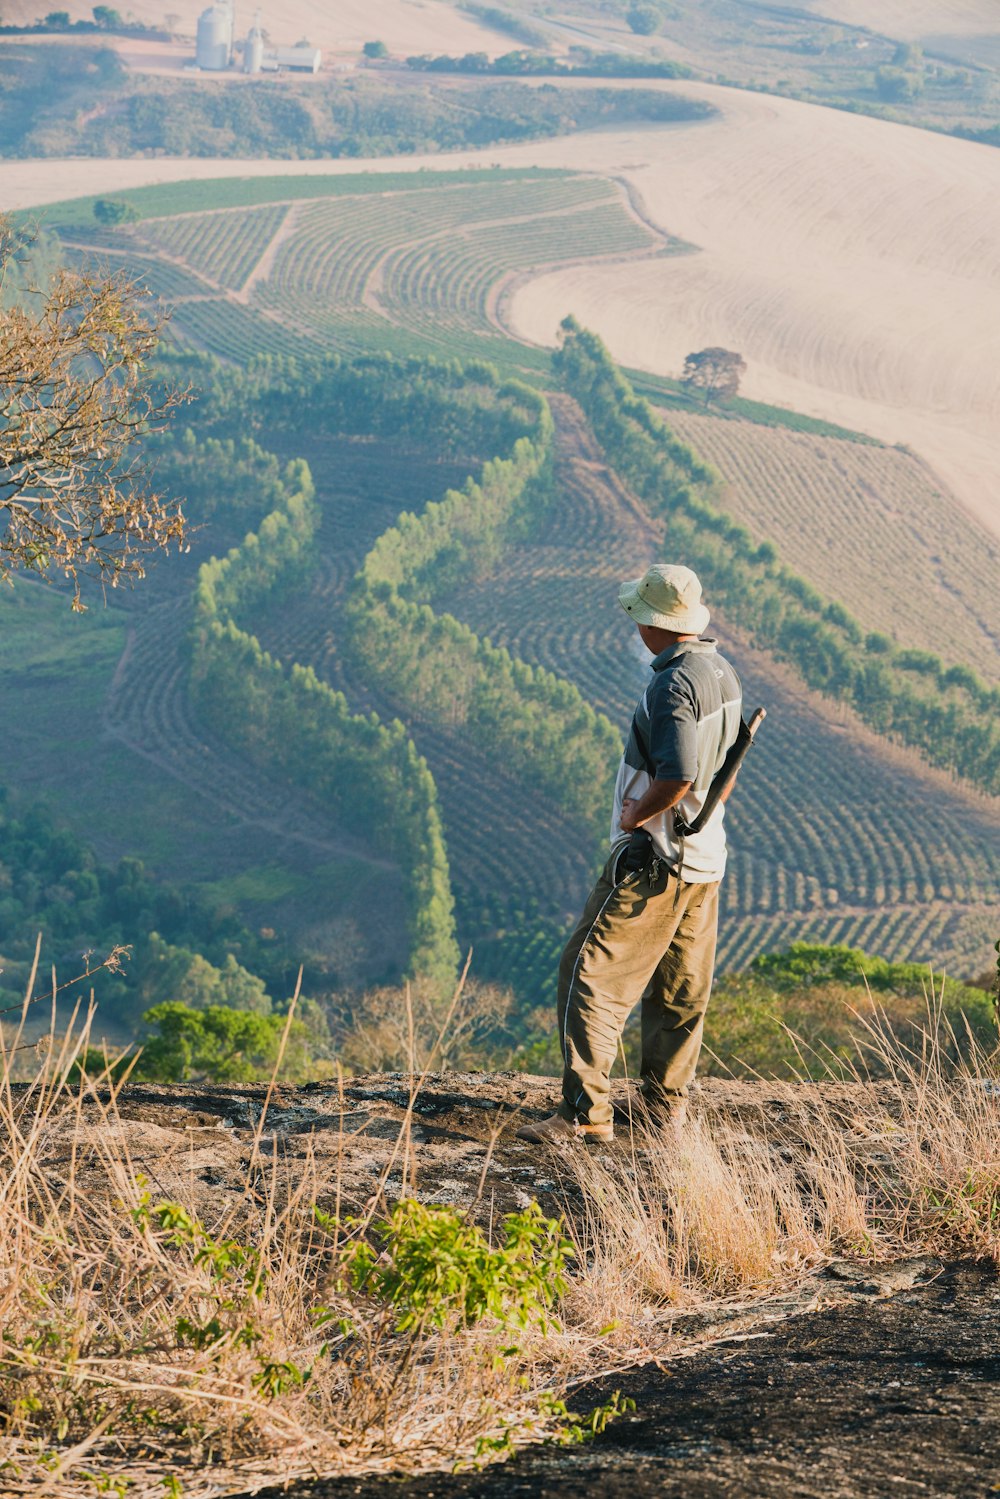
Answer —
667 596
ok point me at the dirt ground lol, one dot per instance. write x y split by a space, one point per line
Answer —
889 1396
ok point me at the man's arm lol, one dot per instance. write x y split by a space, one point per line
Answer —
659 796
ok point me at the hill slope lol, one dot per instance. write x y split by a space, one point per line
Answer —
869 527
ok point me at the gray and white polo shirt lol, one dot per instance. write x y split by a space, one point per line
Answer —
684 723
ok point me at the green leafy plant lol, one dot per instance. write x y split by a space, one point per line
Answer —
435 1267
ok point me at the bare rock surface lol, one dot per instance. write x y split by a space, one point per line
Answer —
459 1148
863 1399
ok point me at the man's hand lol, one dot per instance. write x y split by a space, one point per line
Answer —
659 796
627 819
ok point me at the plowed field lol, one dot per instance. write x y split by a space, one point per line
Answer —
854 263
869 527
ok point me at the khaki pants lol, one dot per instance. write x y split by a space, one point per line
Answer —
648 937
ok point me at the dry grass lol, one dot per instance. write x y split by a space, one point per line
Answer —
143 1342
903 1159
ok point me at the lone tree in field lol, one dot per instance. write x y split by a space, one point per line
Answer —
715 371
644 20
114 211
76 399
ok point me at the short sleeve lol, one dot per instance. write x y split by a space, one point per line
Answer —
673 732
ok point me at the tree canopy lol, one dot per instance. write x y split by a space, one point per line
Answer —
716 372
76 399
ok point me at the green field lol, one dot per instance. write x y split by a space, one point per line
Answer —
352 263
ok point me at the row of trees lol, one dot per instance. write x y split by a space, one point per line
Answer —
279 553
367 772
947 713
538 723
531 62
460 408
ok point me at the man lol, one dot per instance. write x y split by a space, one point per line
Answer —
648 930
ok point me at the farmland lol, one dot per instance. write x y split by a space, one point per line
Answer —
819 279
434 262
804 863
869 527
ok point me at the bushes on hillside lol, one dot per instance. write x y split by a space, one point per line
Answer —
539 724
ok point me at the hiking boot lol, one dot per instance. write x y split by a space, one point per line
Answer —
660 1114
559 1131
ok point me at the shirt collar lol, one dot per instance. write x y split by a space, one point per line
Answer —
680 649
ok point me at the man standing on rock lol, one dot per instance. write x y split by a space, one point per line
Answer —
648 930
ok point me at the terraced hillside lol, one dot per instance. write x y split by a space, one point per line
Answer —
869 526
837 836
517 874
105 700
356 271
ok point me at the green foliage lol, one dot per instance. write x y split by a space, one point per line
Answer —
898 85
368 772
52 882
441 670
176 973
644 20
340 118
221 478
203 195
215 1044
436 1267
802 1012
114 211
575 1429
463 403
375 50
532 63
808 964
954 722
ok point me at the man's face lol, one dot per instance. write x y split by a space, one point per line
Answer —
654 639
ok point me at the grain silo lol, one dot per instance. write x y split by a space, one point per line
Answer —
253 48
214 46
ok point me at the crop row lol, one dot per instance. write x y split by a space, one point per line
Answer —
868 525
454 280
335 246
167 281
945 711
951 939
232 333
223 246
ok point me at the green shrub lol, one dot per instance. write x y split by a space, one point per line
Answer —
436 1266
